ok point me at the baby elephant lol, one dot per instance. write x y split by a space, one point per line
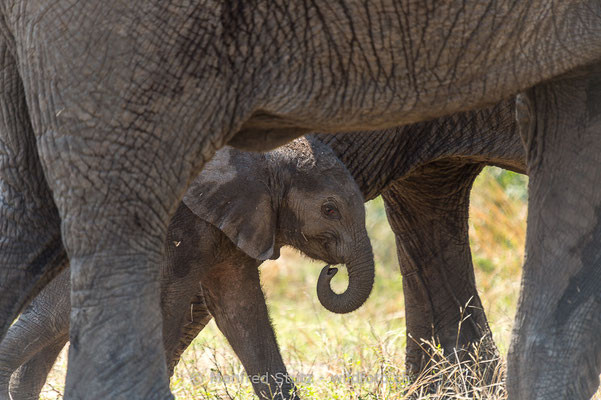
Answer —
240 211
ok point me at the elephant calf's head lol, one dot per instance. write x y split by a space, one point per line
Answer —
299 195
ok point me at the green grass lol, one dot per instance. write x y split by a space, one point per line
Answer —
361 355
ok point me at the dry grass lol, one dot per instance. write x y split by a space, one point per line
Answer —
361 356
449 377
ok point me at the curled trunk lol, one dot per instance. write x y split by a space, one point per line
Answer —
361 280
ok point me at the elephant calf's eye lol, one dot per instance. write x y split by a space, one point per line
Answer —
329 210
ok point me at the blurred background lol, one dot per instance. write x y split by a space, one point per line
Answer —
323 350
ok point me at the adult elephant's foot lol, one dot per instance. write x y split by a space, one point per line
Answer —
556 346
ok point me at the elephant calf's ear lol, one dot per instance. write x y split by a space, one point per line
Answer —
230 194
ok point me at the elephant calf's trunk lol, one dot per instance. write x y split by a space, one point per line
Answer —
361 281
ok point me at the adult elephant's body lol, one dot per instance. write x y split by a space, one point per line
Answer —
127 100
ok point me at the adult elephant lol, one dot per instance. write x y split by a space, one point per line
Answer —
111 108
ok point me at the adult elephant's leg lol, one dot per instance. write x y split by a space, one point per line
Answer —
28 381
114 230
35 339
556 346
233 295
428 212
115 218
125 116
31 251
115 213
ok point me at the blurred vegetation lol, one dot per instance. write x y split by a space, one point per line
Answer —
497 235
330 353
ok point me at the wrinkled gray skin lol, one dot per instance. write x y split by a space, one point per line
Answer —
559 312
425 173
425 184
242 209
111 108
427 197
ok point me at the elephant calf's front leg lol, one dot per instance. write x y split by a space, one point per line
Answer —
234 297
